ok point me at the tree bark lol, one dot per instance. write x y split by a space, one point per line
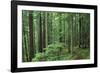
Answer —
40 47
31 35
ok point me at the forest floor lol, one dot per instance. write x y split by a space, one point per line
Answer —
80 54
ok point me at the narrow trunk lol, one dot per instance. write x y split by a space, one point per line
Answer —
40 47
43 33
31 35
71 34
46 31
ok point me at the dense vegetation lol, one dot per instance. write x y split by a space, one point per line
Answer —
50 36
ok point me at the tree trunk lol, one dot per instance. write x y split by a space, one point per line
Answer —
40 47
31 35
46 31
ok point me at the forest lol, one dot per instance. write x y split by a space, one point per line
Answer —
55 36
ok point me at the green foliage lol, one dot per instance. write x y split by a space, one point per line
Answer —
39 57
54 51
58 52
51 53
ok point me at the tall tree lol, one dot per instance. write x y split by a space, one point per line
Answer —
40 24
31 35
46 29
43 31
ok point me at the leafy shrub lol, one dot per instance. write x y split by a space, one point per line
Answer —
52 52
39 57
